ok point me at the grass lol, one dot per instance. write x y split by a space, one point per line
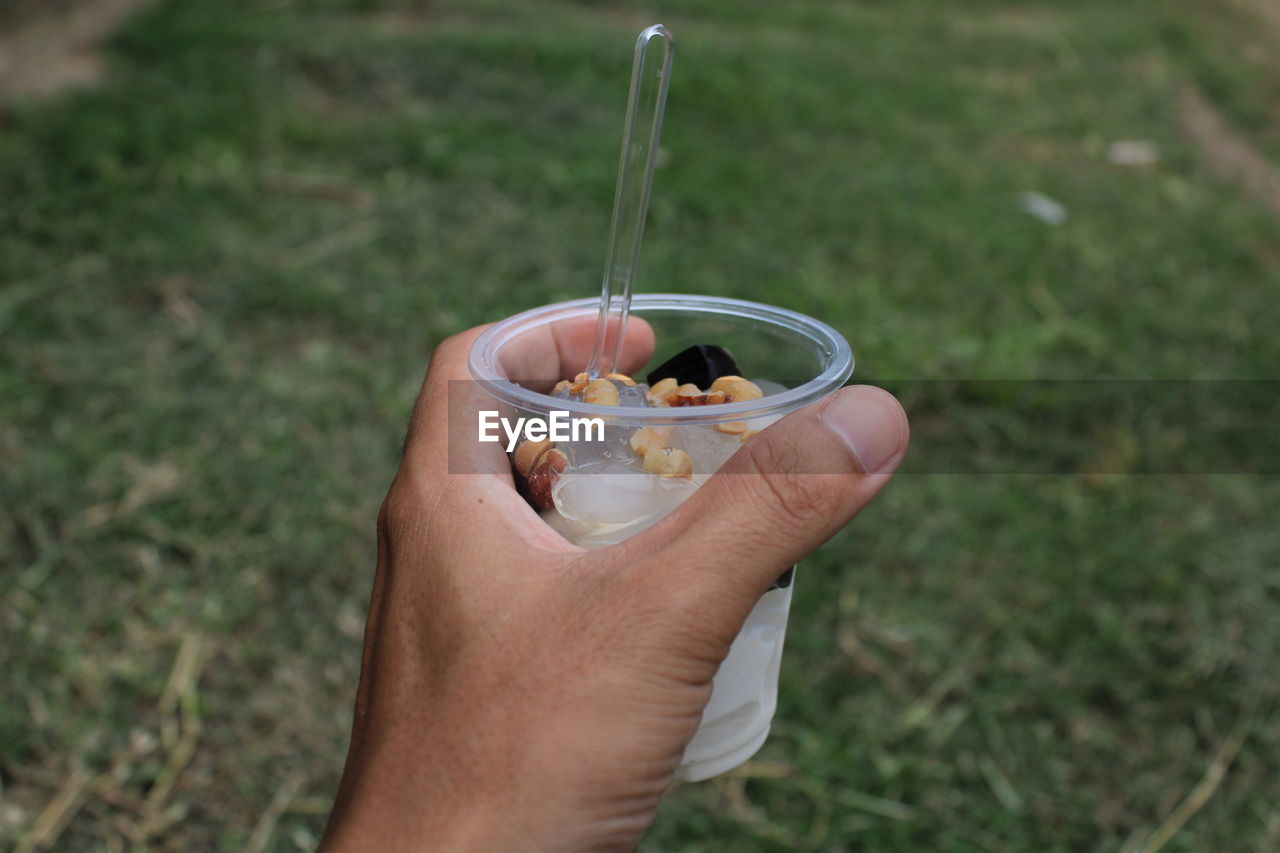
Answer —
221 274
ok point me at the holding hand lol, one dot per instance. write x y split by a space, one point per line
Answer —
520 693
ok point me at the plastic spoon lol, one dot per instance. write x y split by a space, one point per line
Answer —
650 75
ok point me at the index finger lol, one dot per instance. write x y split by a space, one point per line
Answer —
546 354
446 413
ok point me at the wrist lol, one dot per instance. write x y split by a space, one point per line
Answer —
413 796
387 811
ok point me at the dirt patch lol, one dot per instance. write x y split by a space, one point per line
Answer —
1010 22
1228 153
46 52
1266 11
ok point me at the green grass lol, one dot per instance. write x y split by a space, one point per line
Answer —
222 272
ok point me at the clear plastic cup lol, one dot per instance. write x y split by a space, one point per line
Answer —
794 358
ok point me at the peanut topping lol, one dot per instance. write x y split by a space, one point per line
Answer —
528 453
544 476
649 438
668 462
732 428
661 391
621 377
709 399
737 388
601 392
563 384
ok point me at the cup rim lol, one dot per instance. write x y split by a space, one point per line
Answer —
838 358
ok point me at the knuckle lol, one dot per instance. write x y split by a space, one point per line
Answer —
799 500
406 509
771 455
398 511
789 499
460 342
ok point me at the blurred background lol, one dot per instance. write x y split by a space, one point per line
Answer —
231 232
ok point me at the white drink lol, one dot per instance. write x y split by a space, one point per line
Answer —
603 497
598 495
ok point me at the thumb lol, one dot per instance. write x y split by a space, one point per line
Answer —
787 491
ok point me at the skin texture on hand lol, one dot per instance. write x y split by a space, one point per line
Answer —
520 693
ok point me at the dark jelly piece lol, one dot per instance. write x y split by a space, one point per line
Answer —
784 580
701 364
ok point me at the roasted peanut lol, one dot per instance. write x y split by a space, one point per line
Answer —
562 384
737 388
543 477
528 453
715 397
649 438
600 392
732 427
708 399
668 462
661 390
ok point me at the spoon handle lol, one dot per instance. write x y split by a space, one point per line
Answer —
650 75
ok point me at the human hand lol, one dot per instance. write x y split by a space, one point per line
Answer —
520 693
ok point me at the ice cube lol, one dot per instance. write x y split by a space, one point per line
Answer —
590 536
616 494
588 452
632 396
708 448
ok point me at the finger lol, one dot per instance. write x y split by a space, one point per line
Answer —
576 338
782 495
442 436
561 350
450 483
443 430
